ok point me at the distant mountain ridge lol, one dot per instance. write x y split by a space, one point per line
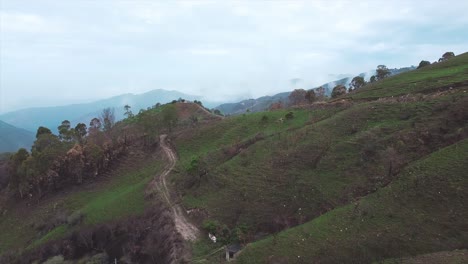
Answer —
51 117
264 102
13 138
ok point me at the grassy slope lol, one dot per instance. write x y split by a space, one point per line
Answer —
268 175
448 257
318 162
100 202
418 81
423 211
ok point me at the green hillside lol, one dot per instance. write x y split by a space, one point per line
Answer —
377 175
253 174
422 211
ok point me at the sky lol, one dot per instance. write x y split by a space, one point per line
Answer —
60 52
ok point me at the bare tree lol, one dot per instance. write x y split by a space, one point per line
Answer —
107 118
297 97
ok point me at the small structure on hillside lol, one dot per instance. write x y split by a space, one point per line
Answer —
212 237
232 251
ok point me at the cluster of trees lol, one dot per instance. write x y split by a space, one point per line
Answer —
68 157
381 72
303 97
446 56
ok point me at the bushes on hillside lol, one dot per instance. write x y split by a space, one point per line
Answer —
339 90
55 163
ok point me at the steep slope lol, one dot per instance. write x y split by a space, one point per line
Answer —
265 172
422 211
13 138
121 205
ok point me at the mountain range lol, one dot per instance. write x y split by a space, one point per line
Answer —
264 102
51 117
13 138
29 119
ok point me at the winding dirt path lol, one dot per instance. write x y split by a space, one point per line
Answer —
183 226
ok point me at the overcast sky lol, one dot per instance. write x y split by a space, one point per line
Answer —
59 52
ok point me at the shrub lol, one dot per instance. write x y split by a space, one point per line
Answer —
75 218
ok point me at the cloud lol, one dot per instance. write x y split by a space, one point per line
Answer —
220 48
208 51
17 22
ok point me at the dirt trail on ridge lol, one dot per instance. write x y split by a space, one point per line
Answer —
183 226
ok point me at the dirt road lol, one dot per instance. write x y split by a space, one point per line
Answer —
183 226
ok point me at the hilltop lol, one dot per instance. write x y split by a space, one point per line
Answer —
377 174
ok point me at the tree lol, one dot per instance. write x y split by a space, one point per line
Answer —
382 72
357 82
42 130
217 112
94 126
14 165
446 56
80 132
423 63
310 96
276 106
107 118
297 97
372 79
320 93
339 90
128 112
64 131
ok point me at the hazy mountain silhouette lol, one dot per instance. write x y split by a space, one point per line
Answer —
51 117
13 138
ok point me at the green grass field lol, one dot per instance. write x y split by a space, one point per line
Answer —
107 200
423 211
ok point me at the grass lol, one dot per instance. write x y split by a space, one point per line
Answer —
421 212
278 177
107 201
323 161
205 251
122 197
55 233
418 81
367 181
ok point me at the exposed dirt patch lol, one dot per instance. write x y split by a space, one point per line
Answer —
184 227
